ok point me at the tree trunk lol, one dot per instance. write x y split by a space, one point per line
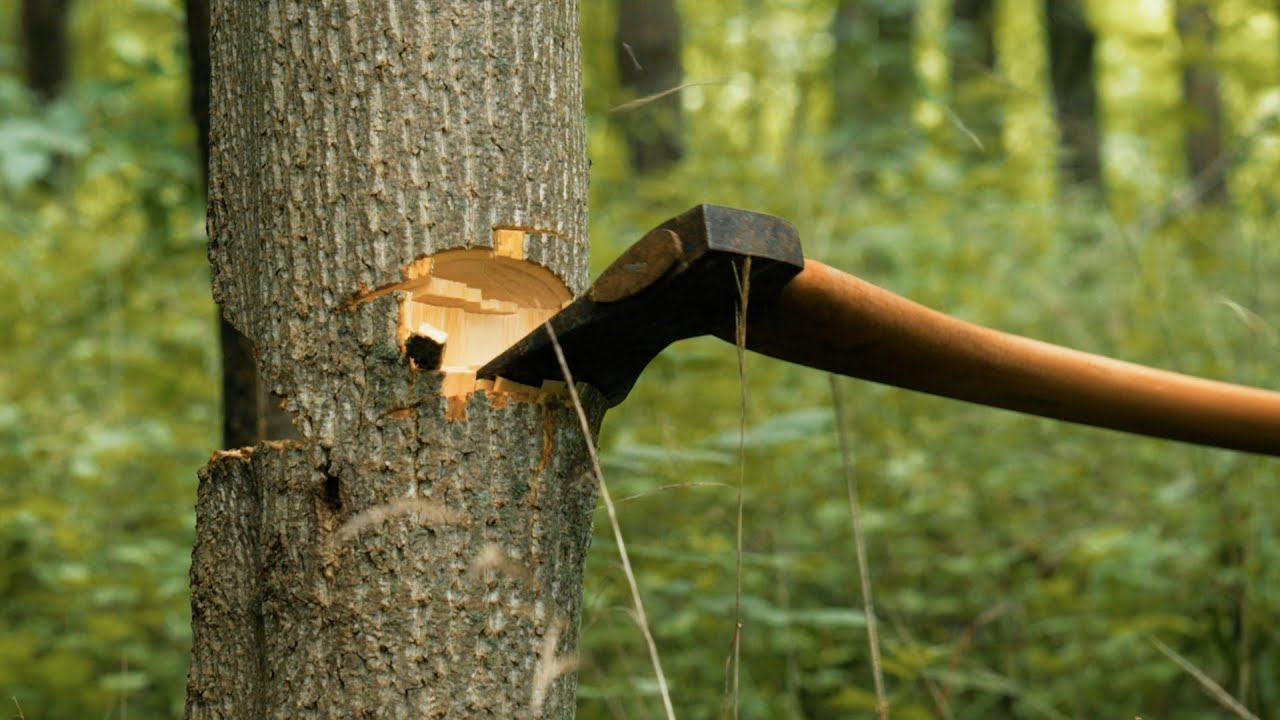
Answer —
1071 69
1205 161
873 77
46 56
976 89
1029 133
413 555
248 413
44 45
974 46
647 46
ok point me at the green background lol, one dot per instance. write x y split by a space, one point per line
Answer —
1021 568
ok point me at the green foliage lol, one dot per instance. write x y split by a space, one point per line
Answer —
106 405
1020 566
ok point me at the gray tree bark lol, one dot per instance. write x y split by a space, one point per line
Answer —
249 414
393 562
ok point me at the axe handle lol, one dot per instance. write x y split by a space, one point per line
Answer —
830 320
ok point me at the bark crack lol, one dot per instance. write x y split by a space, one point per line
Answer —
548 444
332 487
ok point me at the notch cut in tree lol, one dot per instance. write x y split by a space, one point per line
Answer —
459 308
378 173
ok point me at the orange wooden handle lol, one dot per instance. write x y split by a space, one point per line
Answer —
830 320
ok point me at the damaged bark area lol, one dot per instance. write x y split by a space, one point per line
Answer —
440 586
397 192
460 308
348 146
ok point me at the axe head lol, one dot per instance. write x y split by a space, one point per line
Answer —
682 280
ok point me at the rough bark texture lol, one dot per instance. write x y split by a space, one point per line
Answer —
647 46
249 414
325 588
44 45
350 139
393 563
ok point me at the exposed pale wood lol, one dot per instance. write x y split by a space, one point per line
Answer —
504 385
554 386
352 141
502 278
475 338
352 144
509 242
447 293
481 300
429 331
457 381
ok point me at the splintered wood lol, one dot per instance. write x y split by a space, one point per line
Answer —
462 308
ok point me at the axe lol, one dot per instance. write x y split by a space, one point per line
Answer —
686 277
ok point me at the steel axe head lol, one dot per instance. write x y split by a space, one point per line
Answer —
682 279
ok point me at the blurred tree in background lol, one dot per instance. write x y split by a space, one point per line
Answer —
107 400
647 50
43 29
1099 174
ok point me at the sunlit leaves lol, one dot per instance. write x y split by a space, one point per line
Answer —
106 407
1019 564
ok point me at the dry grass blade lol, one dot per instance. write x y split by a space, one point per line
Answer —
631 54
962 127
860 549
671 486
1214 689
740 340
941 708
988 616
641 618
642 101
